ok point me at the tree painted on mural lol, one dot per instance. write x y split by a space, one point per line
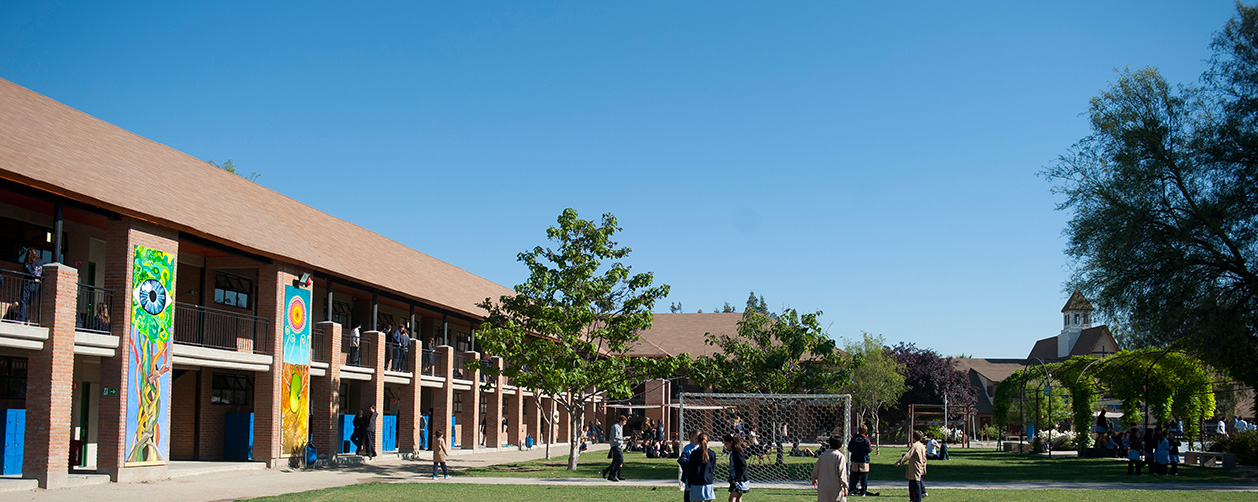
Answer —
565 331
152 317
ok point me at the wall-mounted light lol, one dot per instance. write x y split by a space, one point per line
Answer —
48 237
305 281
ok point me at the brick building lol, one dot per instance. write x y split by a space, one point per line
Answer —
104 387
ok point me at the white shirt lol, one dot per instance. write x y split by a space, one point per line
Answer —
354 336
932 447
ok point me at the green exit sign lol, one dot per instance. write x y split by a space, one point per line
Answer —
109 391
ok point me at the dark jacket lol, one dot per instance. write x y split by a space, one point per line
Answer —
738 466
859 449
369 424
698 472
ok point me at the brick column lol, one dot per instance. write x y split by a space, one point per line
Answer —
656 400
123 235
376 397
515 418
471 406
443 397
410 412
564 424
50 379
325 393
533 417
268 433
494 437
589 416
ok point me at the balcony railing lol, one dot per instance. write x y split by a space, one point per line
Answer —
429 362
220 329
460 371
318 346
93 308
19 297
396 356
354 348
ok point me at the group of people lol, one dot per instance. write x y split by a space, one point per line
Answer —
698 468
1158 450
364 434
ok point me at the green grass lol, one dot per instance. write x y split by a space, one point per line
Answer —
447 492
966 465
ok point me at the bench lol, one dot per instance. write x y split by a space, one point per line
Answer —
1210 459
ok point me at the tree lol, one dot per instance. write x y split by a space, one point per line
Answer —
565 331
928 378
230 167
1164 196
877 381
789 355
675 307
726 309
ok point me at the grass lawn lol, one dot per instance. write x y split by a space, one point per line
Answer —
446 492
966 465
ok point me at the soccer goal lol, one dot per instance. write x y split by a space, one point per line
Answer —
782 432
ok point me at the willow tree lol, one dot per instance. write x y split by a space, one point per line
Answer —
565 331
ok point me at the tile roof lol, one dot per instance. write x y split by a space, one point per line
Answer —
1077 302
995 370
51 146
1088 339
1044 349
673 334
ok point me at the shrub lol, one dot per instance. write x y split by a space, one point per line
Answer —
1244 445
989 432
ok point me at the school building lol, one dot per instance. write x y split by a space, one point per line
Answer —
185 313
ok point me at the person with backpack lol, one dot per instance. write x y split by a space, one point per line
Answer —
683 460
701 471
860 448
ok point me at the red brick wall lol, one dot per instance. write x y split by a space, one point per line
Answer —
183 416
50 381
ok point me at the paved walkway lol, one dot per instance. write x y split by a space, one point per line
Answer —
216 481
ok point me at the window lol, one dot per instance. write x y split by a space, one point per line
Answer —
1076 318
232 290
232 390
458 402
1066 320
12 377
462 342
340 313
385 322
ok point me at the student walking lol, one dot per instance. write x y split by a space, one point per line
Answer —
739 482
860 448
612 472
829 474
702 471
440 450
914 462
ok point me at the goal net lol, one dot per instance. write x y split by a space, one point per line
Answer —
782 433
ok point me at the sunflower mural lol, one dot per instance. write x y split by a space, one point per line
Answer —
295 400
148 357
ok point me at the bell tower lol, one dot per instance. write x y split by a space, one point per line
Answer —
1076 317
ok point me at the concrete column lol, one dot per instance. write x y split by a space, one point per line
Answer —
122 237
325 393
376 396
50 380
410 412
494 437
470 418
443 397
268 438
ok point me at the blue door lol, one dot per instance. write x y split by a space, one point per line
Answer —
389 441
14 442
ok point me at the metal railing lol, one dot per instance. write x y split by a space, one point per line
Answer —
460 371
429 362
396 356
92 309
318 345
220 329
19 297
354 350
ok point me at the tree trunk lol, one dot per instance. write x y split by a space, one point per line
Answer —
575 415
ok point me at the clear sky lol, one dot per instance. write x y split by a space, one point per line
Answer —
874 160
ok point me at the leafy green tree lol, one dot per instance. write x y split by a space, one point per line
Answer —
230 167
565 331
789 355
1164 201
877 381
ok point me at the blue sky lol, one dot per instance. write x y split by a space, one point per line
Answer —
876 161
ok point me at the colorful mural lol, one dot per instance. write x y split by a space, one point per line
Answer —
148 357
295 401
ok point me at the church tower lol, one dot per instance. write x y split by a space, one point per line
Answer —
1077 316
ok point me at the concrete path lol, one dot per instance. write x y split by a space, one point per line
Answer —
216 481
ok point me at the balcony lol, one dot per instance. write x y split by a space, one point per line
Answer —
92 309
20 296
219 329
318 349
